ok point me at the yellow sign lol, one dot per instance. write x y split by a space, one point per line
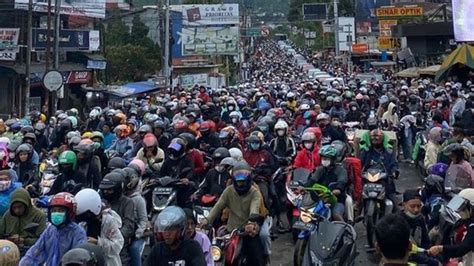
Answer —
388 43
385 27
400 11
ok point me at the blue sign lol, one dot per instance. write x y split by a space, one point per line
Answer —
68 39
177 27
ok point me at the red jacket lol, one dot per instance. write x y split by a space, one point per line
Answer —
198 160
307 159
204 97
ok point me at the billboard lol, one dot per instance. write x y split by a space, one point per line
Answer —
84 8
392 43
8 44
315 12
365 9
463 20
71 40
210 40
403 11
203 15
346 33
385 27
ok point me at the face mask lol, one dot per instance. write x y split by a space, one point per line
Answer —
58 218
307 122
336 123
4 185
308 146
12 155
325 162
235 120
411 215
255 146
440 105
281 133
231 108
354 108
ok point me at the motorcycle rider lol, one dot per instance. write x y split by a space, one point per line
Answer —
338 109
329 132
209 140
151 154
109 137
308 156
283 146
433 147
176 248
21 213
111 190
163 137
26 170
60 236
195 155
393 240
88 165
246 209
123 143
42 142
199 237
67 180
103 224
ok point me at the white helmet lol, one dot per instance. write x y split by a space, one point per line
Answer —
94 113
467 194
322 116
281 125
290 95
236 154
235 114
88 200
304 107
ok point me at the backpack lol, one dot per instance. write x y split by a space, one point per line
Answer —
354 173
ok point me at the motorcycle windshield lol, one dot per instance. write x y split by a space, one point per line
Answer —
301 175
326 242
457 178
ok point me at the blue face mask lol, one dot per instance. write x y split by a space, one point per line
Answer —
58 218
254 146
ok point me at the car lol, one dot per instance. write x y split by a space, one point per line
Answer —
369 76
329 81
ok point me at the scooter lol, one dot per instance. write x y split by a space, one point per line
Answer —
350 129
297 177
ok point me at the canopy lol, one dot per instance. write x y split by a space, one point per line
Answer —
411 72
430 71
462 56
132 88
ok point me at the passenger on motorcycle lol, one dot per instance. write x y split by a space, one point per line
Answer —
21 213
466 248
332 175
460 174
338 109
246 209
433 147
217 177
109 137
329 132
67 180
102 223
209 140
88 164
26 170
193 153
151 154
283 146
199 237
60 236
111 190
123 143
392 235
176 248
308 156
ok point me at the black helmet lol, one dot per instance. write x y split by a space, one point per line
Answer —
114 181
177 148
25 147
159 124
85 254
242 172
341 149
171 218
144 129
27 129
220 153
132 179
116 163
30 136
189 138
434 184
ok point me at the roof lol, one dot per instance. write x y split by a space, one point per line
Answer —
132 88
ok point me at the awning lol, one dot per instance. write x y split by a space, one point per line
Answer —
132 88
460 58
430 71
411 72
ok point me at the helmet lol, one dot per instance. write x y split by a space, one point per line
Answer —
180 124
220 153
86 135
341 149
83 257
328 151
64 199
322 116
122 131
189 138
468 194
316 131
133 124
68 157
115 181
138 165
308 137
25 147
309 115
304 107
177 148
438 169
132 179
145 129
27 129
116 163
236 114
10 254
228 161
73 120
88 200
40 128
205 126
171 218
150 141
97 135
72 134
434 184
281 125
290 95
236 153
159 124
94 113
242 172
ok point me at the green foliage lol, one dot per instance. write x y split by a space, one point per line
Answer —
130 53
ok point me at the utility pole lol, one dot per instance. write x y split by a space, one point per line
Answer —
57 27
166 65
336 28
29 44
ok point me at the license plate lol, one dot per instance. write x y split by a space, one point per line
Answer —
163 190
299 225
373 187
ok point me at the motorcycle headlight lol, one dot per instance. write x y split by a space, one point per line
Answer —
306 217
373 178
216 253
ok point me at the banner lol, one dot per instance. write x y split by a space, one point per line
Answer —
202 15
463 20
388 43
84 8
385 27
210 40
404 11
193 79
71 40
8 44
346 33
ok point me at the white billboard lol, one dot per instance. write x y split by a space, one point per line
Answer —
463 20
84 8
9 44
346 33
210 40
202 15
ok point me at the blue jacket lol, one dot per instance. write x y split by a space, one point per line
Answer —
386 157
53 244
109 140
5 197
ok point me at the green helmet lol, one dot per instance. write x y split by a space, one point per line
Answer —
97 134
328 151
349 94
68 157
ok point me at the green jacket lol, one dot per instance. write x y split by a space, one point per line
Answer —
13 225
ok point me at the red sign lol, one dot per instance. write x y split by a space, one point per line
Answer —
78 77
360 48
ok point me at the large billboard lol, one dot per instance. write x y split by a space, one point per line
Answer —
204 15
85 8
366 9
9 43
210 40
71 40
463 20
346 33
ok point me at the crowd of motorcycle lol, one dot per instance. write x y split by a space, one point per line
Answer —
210 176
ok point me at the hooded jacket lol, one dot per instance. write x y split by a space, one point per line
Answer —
5 197
155 163
111 240
389 117
13 225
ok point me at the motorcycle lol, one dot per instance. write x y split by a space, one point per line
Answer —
48 172
322 242
225 249
375 201
297 177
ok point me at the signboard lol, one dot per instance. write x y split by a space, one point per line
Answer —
8 44
346 32
202 15
463 20
70 40
210 40
84 8
191 80
385 27
79 77
360 48
315 12
389 43
53 80
252 32
404 11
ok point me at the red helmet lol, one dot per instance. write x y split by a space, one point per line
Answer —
316 131
150 140
180 124
64 199
206 126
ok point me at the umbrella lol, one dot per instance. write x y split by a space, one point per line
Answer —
411 72
429 71
462 56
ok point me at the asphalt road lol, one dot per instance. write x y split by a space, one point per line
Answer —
282 247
